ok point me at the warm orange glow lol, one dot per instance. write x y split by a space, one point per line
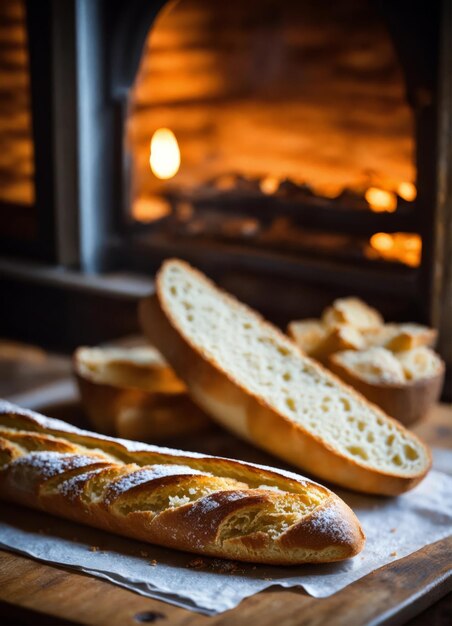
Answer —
403 247
328 189
381 201
165 154
383 242
407 191
269 185
150 209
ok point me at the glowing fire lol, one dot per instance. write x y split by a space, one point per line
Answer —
150 209
403 247
407 191
165 154
269 185
381 201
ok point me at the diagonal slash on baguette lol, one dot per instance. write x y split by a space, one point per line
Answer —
256 382
193 502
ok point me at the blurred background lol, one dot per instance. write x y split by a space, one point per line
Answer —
297 151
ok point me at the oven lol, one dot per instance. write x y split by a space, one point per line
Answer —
296 151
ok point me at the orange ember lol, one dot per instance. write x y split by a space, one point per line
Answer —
402 247
381 201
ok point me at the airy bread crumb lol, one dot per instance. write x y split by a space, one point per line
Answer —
245 349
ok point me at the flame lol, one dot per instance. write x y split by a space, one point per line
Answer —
150 209
381 201
407 191
269 185
403 247
165 154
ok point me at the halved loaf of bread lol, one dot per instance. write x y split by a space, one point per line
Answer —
255 381
134 393
404 384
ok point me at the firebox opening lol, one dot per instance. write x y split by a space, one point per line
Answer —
261 123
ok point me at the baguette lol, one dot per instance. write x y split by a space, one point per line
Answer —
255 381
207 505
133 393
405 385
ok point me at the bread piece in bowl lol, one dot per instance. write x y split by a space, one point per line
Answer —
319 338
255 381
354 312
400 337
404 384
319 341
134 393
308 334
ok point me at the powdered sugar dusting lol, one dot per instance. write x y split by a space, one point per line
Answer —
147 474
50 464
329 520
73 487
204 514
266 473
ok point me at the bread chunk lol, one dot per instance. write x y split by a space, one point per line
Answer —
400 337
354 312
308 334
375 365
319 341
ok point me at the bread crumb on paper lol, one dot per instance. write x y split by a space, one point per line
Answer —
393 553
196 564
217 565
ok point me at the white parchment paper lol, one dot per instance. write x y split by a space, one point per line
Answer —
395 527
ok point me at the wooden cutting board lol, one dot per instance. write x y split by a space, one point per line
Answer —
37 593
391 595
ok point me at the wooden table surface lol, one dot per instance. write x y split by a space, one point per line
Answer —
399 593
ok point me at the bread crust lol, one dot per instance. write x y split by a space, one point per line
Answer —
162 410
55 471
406 402
248 416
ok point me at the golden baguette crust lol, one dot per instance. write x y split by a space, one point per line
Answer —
196 503
248 415
407 402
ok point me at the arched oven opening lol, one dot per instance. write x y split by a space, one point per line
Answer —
295 135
